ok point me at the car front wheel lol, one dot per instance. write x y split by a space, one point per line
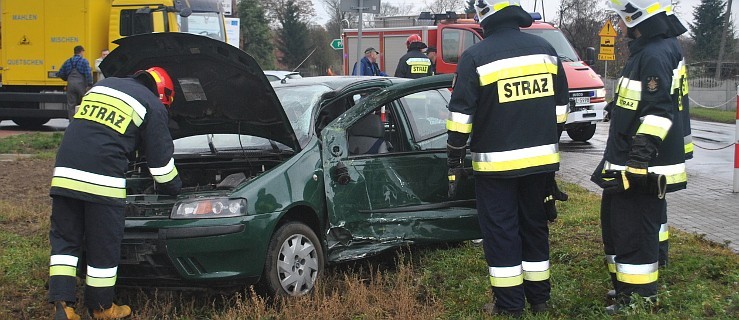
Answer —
294 261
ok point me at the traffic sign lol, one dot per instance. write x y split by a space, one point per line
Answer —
608 30
606 45
606 57
337 44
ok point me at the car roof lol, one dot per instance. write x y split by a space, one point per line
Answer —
280 73
336 82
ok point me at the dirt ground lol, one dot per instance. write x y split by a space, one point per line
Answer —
28 178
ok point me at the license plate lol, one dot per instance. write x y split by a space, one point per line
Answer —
584 100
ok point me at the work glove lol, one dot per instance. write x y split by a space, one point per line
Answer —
634 178
455 163
553 194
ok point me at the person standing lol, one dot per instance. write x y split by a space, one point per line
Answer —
645 138
414 64
98 61
431 54
368 65
76 71
506 92
117 117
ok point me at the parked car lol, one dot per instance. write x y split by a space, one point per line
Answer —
279 181
275 75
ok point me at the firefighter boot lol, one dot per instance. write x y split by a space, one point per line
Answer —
114 312
62 312
493 310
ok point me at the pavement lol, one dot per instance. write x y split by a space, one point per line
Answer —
707 207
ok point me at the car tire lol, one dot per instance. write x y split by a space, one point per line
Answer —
582 133
32 123
294 261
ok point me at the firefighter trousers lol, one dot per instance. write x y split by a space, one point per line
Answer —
664 238
515 233
97 230
630 224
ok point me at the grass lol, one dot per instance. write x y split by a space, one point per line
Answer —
42 144
441 282
714 115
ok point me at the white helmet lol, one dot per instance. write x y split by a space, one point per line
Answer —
486 8
633 12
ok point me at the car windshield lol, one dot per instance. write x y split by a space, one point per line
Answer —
202 23
298 102
558 41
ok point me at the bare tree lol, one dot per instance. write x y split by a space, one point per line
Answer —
276 9
441 6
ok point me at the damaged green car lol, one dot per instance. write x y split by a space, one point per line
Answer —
280 181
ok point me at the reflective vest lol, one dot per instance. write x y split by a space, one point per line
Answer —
414 65
646 103
508 90
115 118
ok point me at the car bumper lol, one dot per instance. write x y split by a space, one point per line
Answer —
195 253
592 114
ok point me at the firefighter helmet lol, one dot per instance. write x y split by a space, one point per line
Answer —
633 12
411 39
486 8
164 84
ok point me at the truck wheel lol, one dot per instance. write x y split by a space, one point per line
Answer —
294 261
31 122
582 133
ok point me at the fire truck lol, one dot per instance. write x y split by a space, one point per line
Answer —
451 36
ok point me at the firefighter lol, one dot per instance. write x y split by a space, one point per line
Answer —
506 93
117 117
414 64
645 138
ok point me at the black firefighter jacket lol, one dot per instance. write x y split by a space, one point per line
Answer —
414 64
117 117
507 92
647 104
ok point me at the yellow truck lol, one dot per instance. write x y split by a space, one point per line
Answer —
39 35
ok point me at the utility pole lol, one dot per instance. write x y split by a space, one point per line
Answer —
727 22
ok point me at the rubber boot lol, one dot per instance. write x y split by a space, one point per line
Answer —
114 312
63 312
493 310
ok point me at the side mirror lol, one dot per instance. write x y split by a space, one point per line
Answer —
185 12
590 56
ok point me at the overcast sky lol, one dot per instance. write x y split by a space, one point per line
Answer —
685 10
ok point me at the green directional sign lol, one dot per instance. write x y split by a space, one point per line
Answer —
337 44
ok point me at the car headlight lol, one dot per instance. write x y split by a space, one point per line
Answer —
600 93
209 208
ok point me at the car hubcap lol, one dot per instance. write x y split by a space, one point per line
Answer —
297 266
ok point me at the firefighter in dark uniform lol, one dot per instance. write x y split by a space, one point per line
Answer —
414 64
507 89
116 118
645 139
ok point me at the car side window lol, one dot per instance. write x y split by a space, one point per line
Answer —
456 41
427 113
133 23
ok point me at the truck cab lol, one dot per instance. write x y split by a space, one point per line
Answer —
452 37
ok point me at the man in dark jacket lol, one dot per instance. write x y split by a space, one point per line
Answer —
506 94
646 139
414 64
76 71
368 65
117 118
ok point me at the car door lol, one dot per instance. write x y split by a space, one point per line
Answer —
381 199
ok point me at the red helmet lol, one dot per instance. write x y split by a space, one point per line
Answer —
411 39
165 86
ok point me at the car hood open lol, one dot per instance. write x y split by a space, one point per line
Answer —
219 88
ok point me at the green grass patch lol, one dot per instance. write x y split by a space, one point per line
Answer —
32 143
714 115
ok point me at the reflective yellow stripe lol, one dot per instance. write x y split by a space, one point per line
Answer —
506 282
97 97
611 263
458 127
167 177
452 177
689 147
562 112
516 164
62 271
500 5
653 8
536 275
677 178
541 68
627 103
100 282
664 233
88 188
655 126
637 278
612 267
